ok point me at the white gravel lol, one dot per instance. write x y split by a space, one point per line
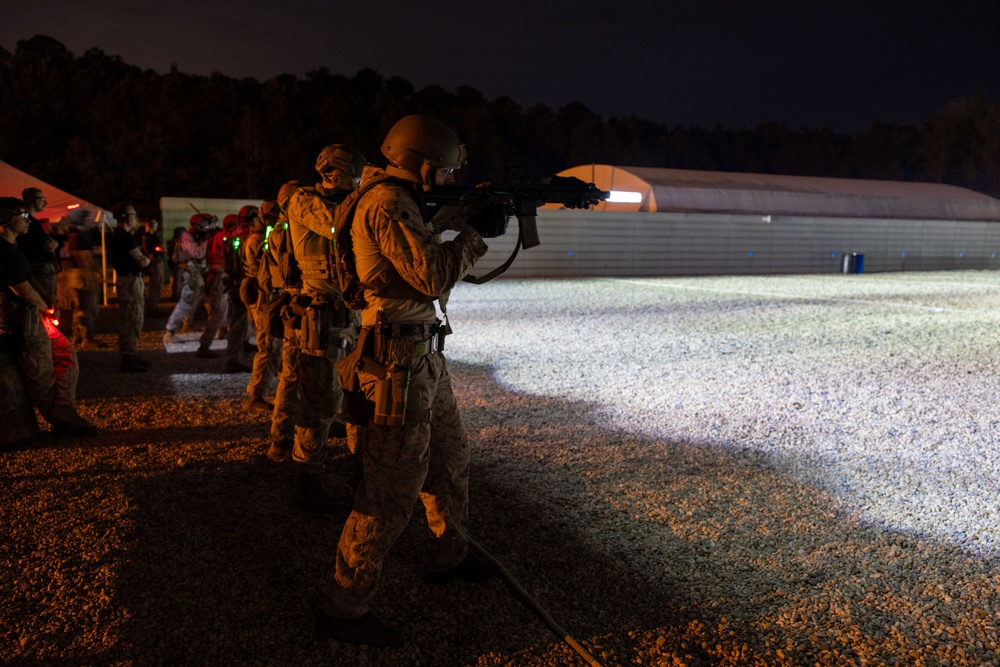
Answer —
789 470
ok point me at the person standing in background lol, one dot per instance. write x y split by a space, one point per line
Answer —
152 247
129 262
37 246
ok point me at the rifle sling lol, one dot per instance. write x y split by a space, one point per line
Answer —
500 269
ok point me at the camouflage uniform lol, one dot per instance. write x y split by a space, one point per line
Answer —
286 396
50 368
268 355
310 218
422 460
130 289
81 284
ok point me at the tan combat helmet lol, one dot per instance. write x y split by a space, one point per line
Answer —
285 193
417 145
338 157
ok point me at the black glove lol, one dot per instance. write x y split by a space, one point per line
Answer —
490 221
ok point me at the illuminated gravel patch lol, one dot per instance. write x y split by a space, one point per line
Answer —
880 389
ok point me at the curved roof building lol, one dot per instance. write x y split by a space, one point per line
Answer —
687 191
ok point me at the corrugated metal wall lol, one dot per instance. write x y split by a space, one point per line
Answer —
605 243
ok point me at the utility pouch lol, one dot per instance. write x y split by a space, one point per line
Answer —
390 396
318 330
275 314
32 326
356 408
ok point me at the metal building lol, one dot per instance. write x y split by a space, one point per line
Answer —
683 222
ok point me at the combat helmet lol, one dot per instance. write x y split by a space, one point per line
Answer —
417 145
339 156
269 211
201 222
285 193
246 214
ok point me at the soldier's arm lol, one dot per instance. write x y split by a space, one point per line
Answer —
194 249
312 212
430 267
29 294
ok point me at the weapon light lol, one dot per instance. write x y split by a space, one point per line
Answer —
624 197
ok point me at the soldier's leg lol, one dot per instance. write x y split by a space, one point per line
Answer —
316 406
79 326
155 287
217 303
261 371
186 301
446 491
395 464
286 398
88 300
35 362
130 299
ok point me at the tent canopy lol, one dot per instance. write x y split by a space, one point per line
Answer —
682 190
61 207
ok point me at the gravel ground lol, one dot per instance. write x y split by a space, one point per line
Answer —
699 471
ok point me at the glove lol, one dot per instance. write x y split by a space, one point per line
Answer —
456 217
490 221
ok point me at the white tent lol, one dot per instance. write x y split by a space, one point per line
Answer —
61 207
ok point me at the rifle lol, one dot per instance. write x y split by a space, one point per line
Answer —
521 198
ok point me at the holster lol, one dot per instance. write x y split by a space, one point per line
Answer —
319 323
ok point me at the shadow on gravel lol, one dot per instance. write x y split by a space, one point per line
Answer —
217 567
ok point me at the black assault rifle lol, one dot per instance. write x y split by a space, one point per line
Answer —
521 199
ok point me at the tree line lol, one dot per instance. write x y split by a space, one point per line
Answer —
109 131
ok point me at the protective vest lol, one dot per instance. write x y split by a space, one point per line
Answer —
311 249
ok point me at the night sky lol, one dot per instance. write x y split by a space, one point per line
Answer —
842 64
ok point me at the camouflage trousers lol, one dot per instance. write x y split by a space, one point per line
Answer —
401 464
155 288
192 291
267 359
44 274
84 304
217 305
286 397
131 303
237 334
320 396
50 369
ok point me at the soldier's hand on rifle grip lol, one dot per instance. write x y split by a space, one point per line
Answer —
457 216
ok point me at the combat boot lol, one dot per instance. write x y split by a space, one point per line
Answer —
310 496
368 629
259 404
205 353
74 426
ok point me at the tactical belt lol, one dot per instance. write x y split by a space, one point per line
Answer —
403 341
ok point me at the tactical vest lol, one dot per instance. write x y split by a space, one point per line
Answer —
312 252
